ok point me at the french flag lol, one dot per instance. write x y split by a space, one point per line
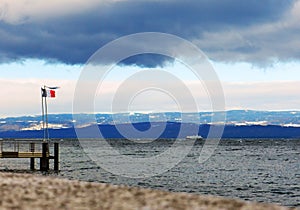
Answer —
49 92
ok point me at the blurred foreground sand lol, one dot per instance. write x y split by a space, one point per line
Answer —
26 191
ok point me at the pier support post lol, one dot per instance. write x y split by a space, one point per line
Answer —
44 161
32 146
56 156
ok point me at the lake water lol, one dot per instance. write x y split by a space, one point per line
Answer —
263 170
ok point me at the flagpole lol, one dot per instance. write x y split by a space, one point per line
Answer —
45 94
43 115
46 111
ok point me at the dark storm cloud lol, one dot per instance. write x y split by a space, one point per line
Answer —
73 39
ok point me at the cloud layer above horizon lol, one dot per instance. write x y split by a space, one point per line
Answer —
70 31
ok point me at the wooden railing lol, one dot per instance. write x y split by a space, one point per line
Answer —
19 148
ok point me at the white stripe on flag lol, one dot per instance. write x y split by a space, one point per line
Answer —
51 93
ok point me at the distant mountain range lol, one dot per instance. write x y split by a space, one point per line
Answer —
239 124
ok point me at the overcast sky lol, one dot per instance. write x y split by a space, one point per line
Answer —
254 47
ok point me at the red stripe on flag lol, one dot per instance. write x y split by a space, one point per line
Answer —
52 93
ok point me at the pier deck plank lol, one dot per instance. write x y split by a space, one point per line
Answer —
22 155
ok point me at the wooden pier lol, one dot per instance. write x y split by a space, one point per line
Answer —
17 149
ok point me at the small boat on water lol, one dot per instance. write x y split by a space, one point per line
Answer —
194 137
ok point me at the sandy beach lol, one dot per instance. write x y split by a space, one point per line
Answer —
27 191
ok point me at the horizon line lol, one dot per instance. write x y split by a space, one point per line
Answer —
150 112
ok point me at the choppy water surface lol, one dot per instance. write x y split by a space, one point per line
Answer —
251 169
